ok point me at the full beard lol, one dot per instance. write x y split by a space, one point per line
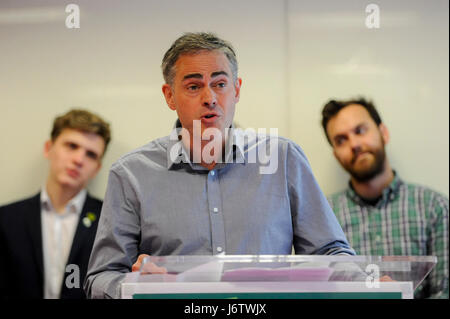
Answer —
367 173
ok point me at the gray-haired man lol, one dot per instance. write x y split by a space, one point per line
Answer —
200 191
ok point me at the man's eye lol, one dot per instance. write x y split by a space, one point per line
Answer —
193 87
360 130
92 155
220 85
338 141
72 146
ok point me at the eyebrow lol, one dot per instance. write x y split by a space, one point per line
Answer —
214 74
362 124
200 76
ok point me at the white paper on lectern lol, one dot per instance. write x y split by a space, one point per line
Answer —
211 271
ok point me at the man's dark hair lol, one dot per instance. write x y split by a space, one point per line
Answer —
333 107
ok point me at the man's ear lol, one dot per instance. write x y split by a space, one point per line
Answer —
384 133
47 146
168 94
237 88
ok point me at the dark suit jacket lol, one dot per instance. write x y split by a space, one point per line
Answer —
21 252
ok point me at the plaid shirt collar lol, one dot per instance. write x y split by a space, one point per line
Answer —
390 193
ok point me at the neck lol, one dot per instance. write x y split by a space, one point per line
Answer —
60 195
374 188
207 152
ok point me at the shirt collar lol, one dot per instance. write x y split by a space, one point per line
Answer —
388 194
75 205
178 155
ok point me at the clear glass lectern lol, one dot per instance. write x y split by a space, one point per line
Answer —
277 277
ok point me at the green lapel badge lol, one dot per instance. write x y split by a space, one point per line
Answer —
89 219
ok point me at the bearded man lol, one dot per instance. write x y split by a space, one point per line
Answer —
381 214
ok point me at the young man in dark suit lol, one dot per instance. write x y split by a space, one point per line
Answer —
46 240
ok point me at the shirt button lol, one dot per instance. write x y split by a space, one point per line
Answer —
212 173
219 249
215 210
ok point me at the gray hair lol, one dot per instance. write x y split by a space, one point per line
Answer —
192 43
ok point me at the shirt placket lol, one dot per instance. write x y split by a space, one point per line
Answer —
375 231
215 212
57 251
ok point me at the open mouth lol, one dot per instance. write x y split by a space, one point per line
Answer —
209 118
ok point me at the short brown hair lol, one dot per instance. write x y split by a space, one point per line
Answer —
192 43
82 120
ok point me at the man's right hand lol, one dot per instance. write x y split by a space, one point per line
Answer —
149 268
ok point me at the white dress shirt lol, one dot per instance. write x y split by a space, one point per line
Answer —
58 230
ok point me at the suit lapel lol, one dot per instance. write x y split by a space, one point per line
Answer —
82 231
35 231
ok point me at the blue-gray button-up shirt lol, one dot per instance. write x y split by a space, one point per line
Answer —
160 203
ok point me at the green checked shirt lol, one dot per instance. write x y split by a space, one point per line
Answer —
407 220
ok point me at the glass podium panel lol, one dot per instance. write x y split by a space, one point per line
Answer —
277 276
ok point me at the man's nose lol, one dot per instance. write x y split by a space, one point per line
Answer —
209 98
78 157
355 144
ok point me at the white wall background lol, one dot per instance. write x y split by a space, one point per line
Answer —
293 56
402 66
